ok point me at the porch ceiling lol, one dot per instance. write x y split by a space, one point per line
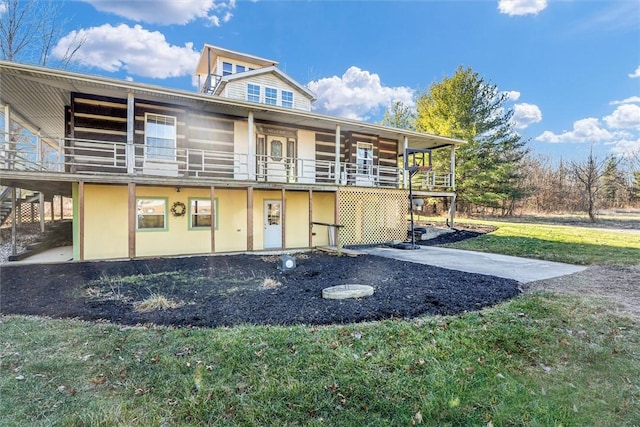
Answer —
37 97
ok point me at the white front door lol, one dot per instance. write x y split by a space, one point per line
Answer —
272 224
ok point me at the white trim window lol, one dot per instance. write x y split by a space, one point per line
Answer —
364 158
253 93
270 96
287 99
227 68
240 68
152 213
160 137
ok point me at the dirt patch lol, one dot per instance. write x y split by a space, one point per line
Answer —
617 285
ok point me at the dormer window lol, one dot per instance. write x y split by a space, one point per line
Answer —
240 69
253 93
227 68
287 99
270 96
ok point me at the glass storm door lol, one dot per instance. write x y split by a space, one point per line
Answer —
272 224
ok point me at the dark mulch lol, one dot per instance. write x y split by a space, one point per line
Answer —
228 290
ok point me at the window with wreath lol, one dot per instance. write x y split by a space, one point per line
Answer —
160 137
201 214
152 213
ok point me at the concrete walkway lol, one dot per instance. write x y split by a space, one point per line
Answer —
53 255
523 270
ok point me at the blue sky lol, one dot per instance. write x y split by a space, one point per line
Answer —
572 67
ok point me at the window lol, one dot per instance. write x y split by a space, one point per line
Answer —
227 68
200 213
160 137
364 158
152 213
253 93
240 69
270 96
287 99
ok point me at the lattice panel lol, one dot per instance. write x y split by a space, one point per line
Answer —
372 216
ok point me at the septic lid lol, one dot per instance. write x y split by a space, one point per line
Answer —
347 291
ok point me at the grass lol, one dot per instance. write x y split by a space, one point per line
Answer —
536 360
155 302
570 244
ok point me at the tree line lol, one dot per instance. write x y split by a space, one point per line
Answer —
496 173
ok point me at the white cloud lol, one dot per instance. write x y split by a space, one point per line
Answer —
636 73
626 148
3 7
630 100
512 95
626 116
585 130
521 7
525 114
133 49
355 94
167 12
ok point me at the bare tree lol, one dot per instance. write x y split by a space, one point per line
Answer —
589 174
29 30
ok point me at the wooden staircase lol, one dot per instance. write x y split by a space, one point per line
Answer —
6 207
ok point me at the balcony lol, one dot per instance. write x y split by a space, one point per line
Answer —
22 152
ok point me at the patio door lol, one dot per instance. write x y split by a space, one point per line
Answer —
272 224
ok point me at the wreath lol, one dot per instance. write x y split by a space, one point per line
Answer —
178 209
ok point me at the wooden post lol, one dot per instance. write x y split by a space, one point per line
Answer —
310 218
81 220
283 217
249 218
214 219
61 207
337 155
131 215
14 220
251 149
41 211
453 168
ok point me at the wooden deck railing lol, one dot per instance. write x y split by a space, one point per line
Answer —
85 156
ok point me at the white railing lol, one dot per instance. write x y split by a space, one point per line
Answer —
85 156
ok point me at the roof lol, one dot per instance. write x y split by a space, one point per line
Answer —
203 68
38 96
260 71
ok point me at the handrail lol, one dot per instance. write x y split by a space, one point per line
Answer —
93 156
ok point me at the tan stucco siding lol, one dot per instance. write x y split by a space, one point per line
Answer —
105 222
297 219
323 211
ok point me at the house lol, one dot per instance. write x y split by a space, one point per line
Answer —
243 164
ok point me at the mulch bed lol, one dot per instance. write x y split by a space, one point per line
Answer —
230 290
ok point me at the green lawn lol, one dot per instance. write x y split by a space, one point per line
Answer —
570 244
537 360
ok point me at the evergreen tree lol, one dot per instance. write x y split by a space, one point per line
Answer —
614 186
467 107
399 116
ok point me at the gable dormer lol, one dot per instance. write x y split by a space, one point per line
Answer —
234 75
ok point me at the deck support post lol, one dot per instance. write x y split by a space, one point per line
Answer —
337 156
41 211
214 216
453 168
452 211
310 218
406 176
131 215
283 215
81 220
14 220
250 219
